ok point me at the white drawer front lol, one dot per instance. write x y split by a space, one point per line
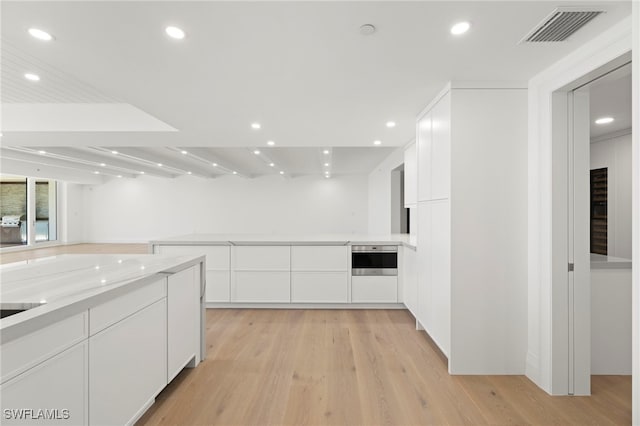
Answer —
319 258
262 258
374 289
267 286
218 286
217 257
319 287
127 366
24 352
59 383
108 313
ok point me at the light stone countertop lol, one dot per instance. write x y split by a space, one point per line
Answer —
599 261
284 239
68 284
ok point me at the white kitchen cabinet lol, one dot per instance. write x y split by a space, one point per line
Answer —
319 287
218 286
374 289
424 265
183 316
423 143
440 278
319 258
57 385
410 280
411 176
262 287
27 351
440 167
261 258
128 366
218 264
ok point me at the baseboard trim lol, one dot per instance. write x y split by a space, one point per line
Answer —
215 305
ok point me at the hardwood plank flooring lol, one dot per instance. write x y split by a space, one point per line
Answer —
356 367
347 367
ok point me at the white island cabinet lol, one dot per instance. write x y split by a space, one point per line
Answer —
261 274
293 271
110 334
319 274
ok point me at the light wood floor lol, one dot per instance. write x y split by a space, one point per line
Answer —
18 256
348 367
356 367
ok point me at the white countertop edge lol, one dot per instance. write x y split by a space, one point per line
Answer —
35 319
266 240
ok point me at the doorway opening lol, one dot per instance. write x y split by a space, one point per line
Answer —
400 221
591 180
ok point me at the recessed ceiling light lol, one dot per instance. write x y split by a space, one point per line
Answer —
327 176
40 34
114 152
188 173
175 32
281 172
119 176
367 29
159 164
96 172
325 152
103 281
272 165
255 126
141 173
234 172
460 28
102 164
271 143
256 152
604 120
215 164
183 152
42 152
326 164
377 142
391 124
32 77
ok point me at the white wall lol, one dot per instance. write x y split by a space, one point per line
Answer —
380 193
615 155
145 208
488 231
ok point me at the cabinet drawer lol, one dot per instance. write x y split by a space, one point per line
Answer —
25 352
127 366
319 258
59 383
217 257
262 258
374 289
265 286
108 313
218 286
319 287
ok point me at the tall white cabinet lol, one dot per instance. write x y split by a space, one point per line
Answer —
472 224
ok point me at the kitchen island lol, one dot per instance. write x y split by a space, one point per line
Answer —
92 339
288 271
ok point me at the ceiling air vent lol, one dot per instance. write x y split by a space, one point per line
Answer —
561 24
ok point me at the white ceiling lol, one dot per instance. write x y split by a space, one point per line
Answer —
611 97
301 69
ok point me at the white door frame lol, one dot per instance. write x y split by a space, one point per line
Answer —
548 288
